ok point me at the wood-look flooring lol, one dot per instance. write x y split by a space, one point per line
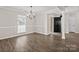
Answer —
36 42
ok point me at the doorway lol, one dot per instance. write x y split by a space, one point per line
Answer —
57 24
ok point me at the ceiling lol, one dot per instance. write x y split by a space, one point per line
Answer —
27 8
40 8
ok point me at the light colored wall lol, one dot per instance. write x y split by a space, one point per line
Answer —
43 21
8 23
40 23
29 25
77 22
72 19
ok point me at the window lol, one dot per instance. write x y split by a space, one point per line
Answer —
21 24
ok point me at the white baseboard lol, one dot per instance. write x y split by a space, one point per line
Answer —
76 32
19 34
43 33
14 35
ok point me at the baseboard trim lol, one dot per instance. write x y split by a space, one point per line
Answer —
20 34
40 33
14 35
76 32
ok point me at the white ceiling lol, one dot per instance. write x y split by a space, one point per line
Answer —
27 8
39 8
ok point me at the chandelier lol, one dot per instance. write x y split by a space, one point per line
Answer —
30 14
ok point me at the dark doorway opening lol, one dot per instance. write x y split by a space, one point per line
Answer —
57 24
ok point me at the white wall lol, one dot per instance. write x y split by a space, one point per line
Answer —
40 23
8 23
72 19
29 25
77 22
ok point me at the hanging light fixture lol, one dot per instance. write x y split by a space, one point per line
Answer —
30 15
